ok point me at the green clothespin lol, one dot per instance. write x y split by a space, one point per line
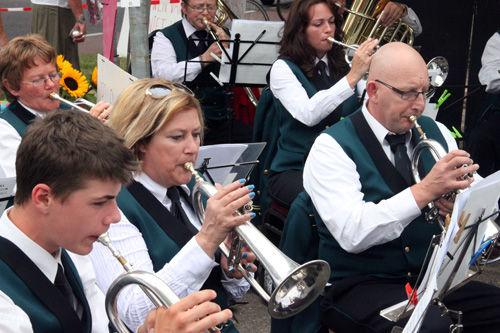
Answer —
443 98
457 133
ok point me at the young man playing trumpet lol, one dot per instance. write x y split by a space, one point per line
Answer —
71 168
189 37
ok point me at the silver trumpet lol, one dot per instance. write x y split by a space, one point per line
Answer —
437 151
74 104
297 286
158 292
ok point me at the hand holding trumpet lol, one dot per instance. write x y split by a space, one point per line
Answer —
361 61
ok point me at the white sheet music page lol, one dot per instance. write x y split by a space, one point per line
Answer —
7 186
223 154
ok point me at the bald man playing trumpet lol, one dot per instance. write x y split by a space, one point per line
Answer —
370 214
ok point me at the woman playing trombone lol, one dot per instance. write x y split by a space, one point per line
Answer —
312 87
159 232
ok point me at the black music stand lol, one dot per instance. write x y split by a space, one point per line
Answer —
454 261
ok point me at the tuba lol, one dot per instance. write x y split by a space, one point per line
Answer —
361 24
297 286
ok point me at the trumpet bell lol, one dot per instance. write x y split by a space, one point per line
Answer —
438 68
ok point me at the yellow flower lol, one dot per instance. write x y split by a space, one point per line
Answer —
94 77
74 82
63 65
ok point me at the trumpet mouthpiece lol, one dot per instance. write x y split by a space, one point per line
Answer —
54 95
330 39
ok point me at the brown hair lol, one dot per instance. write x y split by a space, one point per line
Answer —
20 54
137 117
64 150
295 47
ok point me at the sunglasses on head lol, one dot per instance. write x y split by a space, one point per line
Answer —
162 90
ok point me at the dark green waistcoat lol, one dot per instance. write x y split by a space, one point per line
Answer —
295 138
402 257
161 247
43 303
17 116
210 94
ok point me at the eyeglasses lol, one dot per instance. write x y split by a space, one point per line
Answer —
406 95
160 91
42 81
200 9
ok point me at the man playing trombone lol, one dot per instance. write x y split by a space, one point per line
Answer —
182 52
369 210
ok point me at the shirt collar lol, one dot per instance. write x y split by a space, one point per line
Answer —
157 190
325 60
45 261
36 113
188 28
379 130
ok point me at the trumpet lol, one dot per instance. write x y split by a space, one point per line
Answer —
297 286
74 104
437 151
158 292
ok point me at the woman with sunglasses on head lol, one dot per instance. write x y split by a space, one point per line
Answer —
312 88
160 233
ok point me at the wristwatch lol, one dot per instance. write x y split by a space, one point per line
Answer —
81 19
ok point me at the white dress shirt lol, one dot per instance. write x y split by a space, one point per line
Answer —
164 62
489 74
184 274
332 182
310 111
12 317
9 142
412 20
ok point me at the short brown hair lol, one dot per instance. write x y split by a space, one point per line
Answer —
20 54
295 47
64 150
137 117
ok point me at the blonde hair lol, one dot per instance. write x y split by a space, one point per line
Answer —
136 117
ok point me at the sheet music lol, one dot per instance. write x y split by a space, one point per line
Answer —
223 154
6 191
260 53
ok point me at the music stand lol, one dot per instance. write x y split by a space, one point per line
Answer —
453 262
7 186
225 163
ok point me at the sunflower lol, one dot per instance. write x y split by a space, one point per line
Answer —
74 82
64 65
94 77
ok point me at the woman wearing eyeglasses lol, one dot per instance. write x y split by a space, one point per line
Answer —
163 125
29 74
181 53
312 88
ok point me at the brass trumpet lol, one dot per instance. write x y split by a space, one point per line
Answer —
297 286
74 104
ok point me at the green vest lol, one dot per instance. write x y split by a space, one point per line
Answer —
9 115
295 138
400 258
210 94
41 317
161 247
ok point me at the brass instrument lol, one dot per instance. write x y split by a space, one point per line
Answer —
361 24
297 286
74 104
158 292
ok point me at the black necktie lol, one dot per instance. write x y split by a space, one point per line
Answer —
321 79
177 210
63 285
402 162
202 44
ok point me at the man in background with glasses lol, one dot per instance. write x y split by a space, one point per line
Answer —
182 52
29 74
368 208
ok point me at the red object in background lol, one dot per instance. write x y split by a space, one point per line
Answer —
243 107
414 299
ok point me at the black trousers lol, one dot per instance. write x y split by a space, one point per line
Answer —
285 186
357 308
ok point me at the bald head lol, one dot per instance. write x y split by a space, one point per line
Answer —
392 59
